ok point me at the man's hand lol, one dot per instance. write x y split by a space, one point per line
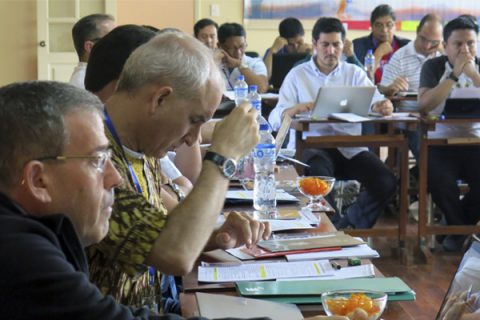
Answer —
384 107
305 48
383 49
230 61
236 134
240 229
399 84
347 48
299 108
461 62
470 69
278 44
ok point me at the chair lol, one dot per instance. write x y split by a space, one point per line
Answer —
252 54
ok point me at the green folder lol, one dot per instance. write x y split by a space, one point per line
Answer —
309 292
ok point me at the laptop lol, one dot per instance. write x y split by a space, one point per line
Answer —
462 108
282 64
459 282
330 100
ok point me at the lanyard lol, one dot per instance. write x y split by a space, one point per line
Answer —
227 75
108 121
110 126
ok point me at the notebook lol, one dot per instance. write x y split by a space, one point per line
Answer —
309 292
330 100
471 256
282 64
462 108
214 306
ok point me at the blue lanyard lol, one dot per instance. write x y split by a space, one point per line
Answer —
227 75
110 126
108 121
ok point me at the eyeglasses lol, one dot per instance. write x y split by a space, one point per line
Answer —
381 26
239 48
433 43
98 160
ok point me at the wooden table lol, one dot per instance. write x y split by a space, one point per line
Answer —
445 136
393 138
189 304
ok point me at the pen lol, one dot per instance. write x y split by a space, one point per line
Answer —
335 265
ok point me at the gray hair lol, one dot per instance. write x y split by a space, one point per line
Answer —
171 58
32 123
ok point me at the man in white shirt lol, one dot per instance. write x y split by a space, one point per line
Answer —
402 73
296 95
85 33
232 42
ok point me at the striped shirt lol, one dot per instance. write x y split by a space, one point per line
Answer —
406 62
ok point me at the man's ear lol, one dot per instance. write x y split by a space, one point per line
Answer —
159 97
87 46
35 181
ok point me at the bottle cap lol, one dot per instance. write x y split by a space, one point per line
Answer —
253 87
241 77
264 127
369 51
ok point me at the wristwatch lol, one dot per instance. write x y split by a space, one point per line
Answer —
452 76
227 166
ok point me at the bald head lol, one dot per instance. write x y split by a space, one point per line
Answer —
429 35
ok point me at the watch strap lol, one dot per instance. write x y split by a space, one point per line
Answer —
452 76
216 158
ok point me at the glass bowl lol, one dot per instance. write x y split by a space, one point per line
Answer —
354 304
315 188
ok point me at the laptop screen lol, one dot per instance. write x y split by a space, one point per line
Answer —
282 133
467 276
282 64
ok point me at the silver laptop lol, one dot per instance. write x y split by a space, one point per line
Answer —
330 100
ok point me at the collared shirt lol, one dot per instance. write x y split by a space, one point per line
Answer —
78 76
255 64
406 62
301 85
117 263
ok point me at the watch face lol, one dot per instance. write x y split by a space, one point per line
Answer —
229 168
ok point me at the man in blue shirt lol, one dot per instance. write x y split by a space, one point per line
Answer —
296 95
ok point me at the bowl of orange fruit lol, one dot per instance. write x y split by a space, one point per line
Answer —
354 304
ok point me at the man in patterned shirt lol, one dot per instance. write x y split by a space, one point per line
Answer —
168 88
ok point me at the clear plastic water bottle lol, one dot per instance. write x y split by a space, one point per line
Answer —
369 65
256 101
241 90
264 189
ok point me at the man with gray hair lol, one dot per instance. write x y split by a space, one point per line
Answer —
168 88
85 33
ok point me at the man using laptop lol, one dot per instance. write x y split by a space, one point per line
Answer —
441 78
296 95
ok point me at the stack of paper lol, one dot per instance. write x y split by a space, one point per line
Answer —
263 271
361 251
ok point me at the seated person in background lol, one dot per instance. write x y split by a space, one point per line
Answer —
101 78
297 93
232 40
290 40
206 31
441 77
381 40
160 103
85 33
402 72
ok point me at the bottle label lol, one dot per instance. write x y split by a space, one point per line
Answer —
265 150
257 104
